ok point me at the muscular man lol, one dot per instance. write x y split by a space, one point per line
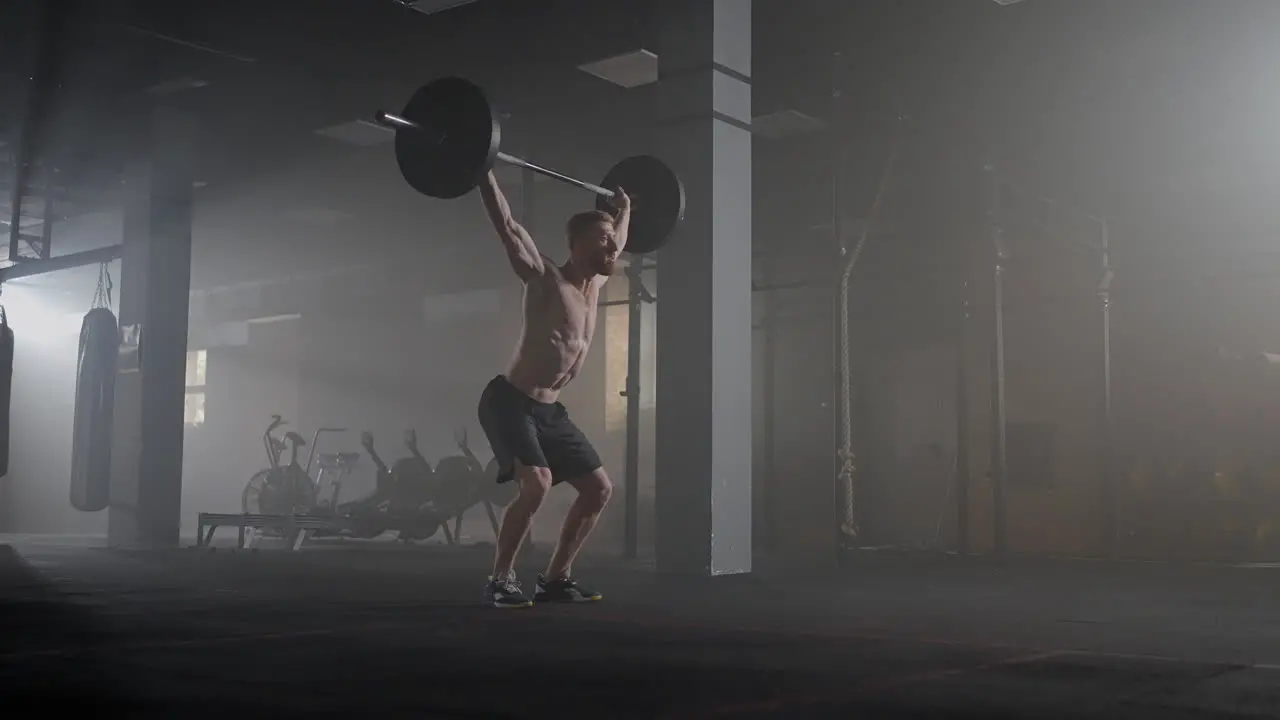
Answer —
533 439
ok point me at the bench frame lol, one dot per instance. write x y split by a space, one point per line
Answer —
301 527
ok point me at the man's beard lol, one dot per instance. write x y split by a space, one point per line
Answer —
606 267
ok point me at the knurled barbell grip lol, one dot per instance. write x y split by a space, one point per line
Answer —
396 122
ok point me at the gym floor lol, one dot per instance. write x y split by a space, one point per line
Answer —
381 631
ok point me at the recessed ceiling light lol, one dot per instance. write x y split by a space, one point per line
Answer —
361 133
629 70
176 85
784 123
274 319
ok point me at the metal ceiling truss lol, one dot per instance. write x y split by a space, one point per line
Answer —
34 194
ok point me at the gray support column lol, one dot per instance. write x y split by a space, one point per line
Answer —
703 436
155 285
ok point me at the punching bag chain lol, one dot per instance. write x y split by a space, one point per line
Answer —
102 295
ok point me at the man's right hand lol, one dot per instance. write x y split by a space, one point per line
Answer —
621 201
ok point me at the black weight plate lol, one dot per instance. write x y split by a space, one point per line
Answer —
457 144
657 200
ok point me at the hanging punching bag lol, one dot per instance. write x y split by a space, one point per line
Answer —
6 383
95 397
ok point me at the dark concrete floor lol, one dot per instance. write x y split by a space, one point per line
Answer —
380 631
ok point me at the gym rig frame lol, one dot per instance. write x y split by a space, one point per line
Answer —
995 219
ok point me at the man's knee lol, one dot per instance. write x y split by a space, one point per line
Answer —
595 488
534 483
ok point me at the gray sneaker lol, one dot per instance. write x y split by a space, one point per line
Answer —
563 589
505 593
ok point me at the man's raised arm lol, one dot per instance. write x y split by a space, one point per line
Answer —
621 221
523 254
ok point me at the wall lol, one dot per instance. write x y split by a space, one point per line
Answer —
245 386
1053 380
907 468
610 436
1052 383
46 340
1196 408
386 367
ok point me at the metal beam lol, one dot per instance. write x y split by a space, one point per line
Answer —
635 337
1106 463
961 478
30 268
42 88
999 418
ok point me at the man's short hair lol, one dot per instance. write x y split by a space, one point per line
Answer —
581 222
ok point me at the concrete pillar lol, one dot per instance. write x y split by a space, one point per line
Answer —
703 435
155 286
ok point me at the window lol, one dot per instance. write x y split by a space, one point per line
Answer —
197 370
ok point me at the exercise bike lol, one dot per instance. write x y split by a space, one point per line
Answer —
413 481
465 482
405 495
284 489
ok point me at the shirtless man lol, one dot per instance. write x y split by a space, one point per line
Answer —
532 437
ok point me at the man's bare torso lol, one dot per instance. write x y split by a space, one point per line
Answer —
559 323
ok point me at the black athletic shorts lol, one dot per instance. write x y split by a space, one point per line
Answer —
537 434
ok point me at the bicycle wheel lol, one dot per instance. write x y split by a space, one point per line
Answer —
251 497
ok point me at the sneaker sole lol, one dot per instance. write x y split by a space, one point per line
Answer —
571 601
509 606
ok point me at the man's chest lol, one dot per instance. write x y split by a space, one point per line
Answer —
567 307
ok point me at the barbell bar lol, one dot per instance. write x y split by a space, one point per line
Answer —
387 119
447 139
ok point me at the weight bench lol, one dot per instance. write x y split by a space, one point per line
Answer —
305 525
207 523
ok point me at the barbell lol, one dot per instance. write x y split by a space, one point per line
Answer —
448 138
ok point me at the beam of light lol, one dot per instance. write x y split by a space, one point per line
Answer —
36 318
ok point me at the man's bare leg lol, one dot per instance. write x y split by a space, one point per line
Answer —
534 482
594 491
